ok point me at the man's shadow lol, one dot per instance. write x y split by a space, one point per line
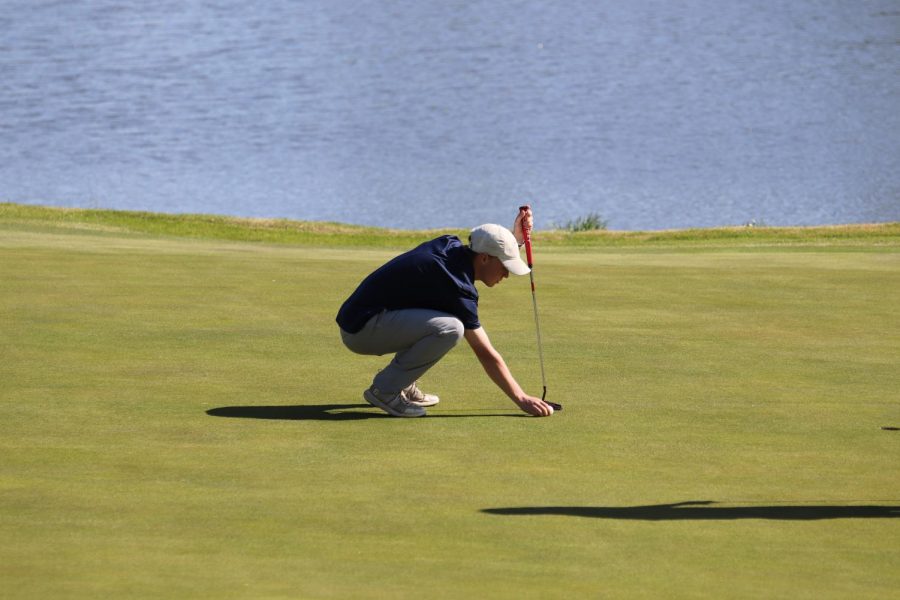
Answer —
704 510
330 412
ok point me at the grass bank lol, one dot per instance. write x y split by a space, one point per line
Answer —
178 419
284 231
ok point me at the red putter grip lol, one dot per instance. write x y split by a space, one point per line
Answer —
527 232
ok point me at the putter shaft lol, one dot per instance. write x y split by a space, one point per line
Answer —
537 326
537 320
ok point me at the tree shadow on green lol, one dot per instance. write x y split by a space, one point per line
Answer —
704 510
330 412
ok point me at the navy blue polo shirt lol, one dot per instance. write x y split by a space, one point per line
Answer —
437 275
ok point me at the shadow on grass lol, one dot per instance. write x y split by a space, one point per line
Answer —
705 511
328 412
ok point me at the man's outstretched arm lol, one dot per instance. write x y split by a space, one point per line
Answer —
496 368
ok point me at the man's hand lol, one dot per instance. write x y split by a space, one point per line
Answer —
534 406
496 368
524 221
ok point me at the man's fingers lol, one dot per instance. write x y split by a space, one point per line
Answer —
541 409
535 407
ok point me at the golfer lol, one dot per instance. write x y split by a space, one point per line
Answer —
418 305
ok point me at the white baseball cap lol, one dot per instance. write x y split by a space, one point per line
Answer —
498 241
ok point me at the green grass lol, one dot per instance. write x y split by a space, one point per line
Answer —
753 373
284 231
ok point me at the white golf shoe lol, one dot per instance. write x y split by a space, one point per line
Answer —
418 397
396 405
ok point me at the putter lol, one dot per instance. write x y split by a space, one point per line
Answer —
537 323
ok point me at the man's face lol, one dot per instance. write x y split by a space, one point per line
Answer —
494 272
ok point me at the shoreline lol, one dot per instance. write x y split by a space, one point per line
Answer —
323 233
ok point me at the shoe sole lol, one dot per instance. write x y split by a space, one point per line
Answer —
371 399
423 404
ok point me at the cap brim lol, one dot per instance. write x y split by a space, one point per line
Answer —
516 266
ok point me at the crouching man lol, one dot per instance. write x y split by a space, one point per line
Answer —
418 305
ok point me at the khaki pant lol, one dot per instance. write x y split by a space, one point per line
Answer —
418 337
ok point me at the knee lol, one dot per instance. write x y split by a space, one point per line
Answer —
451 330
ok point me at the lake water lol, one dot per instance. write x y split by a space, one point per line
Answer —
415 113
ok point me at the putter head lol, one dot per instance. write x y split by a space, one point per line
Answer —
553 404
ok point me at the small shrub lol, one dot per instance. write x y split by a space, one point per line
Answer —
755 223
591 222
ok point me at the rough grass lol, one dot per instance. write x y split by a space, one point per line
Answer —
178 419
284 231
207 227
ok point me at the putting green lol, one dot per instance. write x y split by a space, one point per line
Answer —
179 419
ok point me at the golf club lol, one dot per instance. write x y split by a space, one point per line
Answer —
526 230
